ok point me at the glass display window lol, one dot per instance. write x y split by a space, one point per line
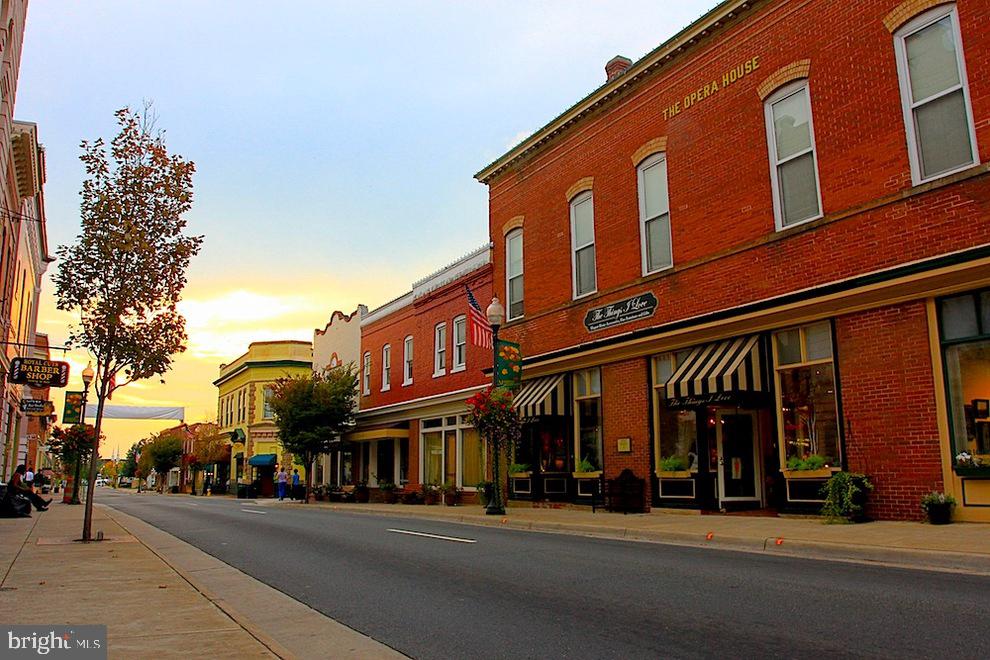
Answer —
964 329
588 418
807 403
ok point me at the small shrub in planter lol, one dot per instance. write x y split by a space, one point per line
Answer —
485 492
388 490
938 507
362 493
450 491
412 497
845 497
673 464
430 493
810 462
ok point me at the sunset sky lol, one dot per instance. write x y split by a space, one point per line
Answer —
335 143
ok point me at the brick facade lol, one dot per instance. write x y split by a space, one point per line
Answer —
699 99
889 406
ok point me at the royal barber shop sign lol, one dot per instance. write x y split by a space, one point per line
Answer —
38 373
623 311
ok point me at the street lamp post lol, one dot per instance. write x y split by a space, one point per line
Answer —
87 378
495 314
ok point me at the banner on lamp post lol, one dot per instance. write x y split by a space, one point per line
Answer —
72 413
508 365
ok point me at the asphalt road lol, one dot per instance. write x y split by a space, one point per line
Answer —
515 594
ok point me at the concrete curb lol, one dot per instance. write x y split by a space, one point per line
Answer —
289 629
913 558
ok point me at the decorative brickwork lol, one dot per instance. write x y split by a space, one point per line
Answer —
654 146
579 186
888 401
908 10
785 74
514 223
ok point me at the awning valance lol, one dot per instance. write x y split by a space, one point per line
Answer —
377 434
541 396
718 373
262 460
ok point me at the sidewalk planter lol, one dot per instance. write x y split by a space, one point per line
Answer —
362 494
824 473
938 507
845 496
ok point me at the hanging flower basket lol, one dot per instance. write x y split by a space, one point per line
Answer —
491 412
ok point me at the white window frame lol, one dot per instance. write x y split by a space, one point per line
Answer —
407 361
462 365
515 233
440 349
366 386
578 199
266 409
643 220
781 94
386 367
916 24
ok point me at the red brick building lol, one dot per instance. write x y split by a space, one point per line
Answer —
418 367
759 255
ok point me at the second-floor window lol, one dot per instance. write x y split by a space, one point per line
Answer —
386 367
793 163
583 244
654 214
514 274
935 94
366 374
460 343
268 412
440 349
407 368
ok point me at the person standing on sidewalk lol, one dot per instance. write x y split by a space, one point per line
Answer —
295 485
283 480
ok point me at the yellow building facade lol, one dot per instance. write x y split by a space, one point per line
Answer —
243 412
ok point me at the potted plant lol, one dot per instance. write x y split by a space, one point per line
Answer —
449 491
412 497
519 471
845 496
361 492
967 465
430 493
813 466
674 467
319 493
938 507
586 469
388 490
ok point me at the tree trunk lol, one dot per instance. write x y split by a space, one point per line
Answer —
309 476
95 458
75 482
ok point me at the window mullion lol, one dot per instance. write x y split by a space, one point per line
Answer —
934 97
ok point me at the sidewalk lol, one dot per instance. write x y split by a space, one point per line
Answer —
157 594
963 547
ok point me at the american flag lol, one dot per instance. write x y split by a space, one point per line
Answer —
481 332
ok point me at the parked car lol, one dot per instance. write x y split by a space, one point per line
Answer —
102 481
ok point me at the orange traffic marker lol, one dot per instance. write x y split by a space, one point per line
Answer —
779 541
709 536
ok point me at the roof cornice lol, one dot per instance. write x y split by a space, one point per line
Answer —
674 47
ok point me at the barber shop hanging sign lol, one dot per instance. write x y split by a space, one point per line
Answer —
38 373
624 311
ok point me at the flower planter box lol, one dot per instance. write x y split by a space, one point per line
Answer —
824 473
972 471
587 475
939 514
521 475
675 474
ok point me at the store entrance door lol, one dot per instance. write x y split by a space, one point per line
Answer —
738 457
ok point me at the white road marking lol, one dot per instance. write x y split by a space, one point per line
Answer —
431 536
253 511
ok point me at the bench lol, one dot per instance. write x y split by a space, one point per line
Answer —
626 493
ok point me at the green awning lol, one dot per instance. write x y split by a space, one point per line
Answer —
262 460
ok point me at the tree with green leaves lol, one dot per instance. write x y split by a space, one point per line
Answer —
164 453
311 412
129 465
208 447
73 446
125 272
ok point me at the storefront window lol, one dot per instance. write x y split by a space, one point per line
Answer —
385 461
807 411
678 439
433 457
472 458
587 400
965 331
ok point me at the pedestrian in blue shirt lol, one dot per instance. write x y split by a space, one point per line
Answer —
295 484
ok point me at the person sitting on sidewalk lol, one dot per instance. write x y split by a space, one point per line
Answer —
12 504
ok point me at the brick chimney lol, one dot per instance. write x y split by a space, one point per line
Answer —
616 67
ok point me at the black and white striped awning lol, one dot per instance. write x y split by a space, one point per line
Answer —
541 396
715 373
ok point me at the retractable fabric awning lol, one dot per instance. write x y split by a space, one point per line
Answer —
262 460
541 396
712 373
